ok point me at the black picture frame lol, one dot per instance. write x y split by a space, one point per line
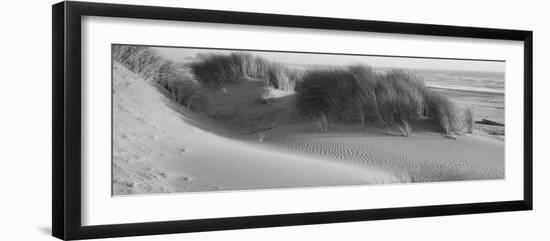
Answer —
66 159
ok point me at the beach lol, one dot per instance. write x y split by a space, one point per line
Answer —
160 147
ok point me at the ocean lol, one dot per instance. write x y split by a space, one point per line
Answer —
480 92
490 82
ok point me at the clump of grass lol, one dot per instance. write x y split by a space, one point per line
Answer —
358 94
175 79
282 78
443 112
322 122
138 59
180 84
268 121
334 94
469 121
400 99
219 70
366 77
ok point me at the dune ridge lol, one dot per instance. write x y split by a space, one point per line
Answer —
157 150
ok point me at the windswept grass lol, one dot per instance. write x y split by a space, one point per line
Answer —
283 78
359 94
138 59
219 70
443 112
174 78
401 99
366 77
334 94
469 121
180 84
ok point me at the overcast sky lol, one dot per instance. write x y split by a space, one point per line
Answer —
179 54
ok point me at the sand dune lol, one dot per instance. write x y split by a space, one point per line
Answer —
156 149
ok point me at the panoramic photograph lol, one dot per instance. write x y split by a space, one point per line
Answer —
201 119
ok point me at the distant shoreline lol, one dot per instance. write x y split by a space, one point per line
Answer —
471 90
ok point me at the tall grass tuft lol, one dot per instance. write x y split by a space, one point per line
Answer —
219 70
138 59
400 99
357 93
469 121
335 94
443 112
180 84
366 77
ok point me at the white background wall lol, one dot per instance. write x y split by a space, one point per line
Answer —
25 125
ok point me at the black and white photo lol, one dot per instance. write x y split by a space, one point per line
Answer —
190 119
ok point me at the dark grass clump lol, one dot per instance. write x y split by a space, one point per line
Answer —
218 70
334 94
358 94
368 81
400 99
443 112
180 84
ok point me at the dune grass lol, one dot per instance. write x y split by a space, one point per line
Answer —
358 94
334 94
351 94
401 99
180 84
138 59
175 79
219 70
469 121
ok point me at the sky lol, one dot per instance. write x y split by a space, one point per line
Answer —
179 54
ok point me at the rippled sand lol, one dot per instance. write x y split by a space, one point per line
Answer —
423 157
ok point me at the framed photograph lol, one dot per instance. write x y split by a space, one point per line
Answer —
171 120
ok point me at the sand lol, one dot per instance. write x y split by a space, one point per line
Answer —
423 157
158 147
156 150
